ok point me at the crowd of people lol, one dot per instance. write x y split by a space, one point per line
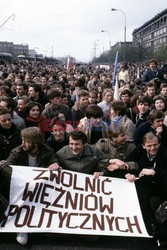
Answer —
57 118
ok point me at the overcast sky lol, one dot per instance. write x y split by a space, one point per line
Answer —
73 27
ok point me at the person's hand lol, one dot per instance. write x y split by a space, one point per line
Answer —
130 177
119 163
76 105
159 130
47 105
54 166
146 171
97 174
113 167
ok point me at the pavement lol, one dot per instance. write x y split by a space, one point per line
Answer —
56 242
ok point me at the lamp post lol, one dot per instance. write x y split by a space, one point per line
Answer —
13 15
109 37
124 54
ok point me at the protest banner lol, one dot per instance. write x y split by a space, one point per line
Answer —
69 202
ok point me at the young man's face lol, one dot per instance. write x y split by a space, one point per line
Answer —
150 91
64 100
164 91
120 139
152 146
28 146
32 92
20 91
56 101
153 65
125 98
84 101
76 146
143 107
112 113
158 123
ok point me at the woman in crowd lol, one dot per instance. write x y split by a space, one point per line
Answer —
93 97
159 103
105 104
34 117
58 138
118 115
93 125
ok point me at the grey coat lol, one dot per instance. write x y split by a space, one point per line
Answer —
92 160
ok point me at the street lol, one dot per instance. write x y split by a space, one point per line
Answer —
43 242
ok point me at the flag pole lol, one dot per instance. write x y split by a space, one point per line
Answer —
115 68
116 90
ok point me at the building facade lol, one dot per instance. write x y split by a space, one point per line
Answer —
152 34
14 49
121 45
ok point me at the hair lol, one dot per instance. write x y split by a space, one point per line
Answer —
138 81
36 87
126 92
160 97
155 114
150 136
4 89
122 81
7 83
52 93
150 85
24 85
63 95
106 83
24 98
93 92
32 134
58 122
78 135
115 129
94 111
83 93
80 82
163 85
119 107
134 99
9 101
30 105
145 99
153 61
4 111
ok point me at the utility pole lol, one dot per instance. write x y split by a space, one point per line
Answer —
13 15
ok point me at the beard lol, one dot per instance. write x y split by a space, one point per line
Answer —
30 149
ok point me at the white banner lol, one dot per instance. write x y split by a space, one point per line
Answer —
70 202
